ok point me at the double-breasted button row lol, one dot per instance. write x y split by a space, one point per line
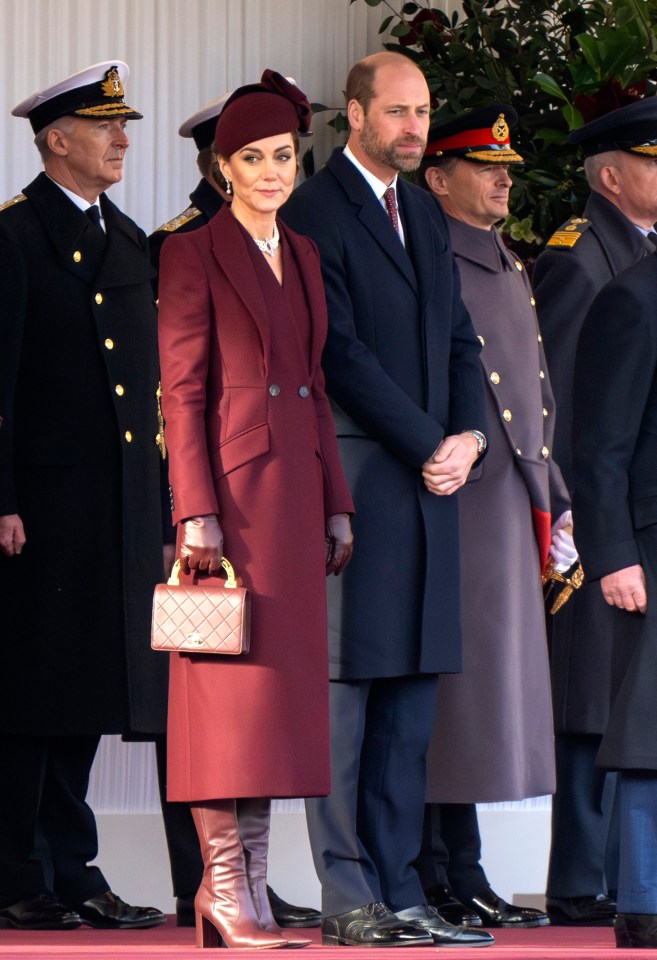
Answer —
545 453
303 391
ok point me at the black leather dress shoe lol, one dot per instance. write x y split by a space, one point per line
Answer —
451 909
636 930
597 911
496 912
185 912
287 915
43 912
444 934
373 925
109 912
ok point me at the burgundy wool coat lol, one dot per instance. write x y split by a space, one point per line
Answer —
251 438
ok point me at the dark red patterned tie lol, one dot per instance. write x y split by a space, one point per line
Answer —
390 199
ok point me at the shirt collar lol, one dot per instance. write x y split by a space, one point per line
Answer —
377 185
79 202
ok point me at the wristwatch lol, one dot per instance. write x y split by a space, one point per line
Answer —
482 443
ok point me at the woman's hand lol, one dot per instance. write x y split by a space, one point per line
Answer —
339 543
201 545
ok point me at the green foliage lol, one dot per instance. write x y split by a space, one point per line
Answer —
559 63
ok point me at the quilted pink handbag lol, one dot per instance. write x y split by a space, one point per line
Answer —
207 617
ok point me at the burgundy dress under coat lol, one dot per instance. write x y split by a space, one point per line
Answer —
251 438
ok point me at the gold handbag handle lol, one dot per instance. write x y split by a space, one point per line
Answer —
174 579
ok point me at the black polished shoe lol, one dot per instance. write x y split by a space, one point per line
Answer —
636 930
109 912
496 912
185 913
43 912
373 925
597 911
287 915
444 934
451 909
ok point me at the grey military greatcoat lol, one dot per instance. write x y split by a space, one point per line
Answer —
493 737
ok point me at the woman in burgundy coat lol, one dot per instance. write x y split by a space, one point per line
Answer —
254 472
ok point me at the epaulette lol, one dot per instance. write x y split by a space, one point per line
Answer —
10 203
569 232
180 220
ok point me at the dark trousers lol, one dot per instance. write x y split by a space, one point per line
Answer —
182 840
365 837
451 849
637 879
47 830
584 849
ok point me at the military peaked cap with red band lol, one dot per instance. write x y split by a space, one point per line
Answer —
95 93
480 135
632 128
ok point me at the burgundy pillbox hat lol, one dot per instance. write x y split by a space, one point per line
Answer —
260 110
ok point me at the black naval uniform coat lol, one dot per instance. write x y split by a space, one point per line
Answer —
80 464
615 473
205 202
566 279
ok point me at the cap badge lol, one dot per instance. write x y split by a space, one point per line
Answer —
111 85
500 129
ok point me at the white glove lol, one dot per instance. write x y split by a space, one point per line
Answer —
562 548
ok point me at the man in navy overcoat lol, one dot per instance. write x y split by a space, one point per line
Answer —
401 364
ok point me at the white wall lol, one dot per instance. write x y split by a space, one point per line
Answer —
182 54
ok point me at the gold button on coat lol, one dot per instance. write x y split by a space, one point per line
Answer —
98 298
109 344
518 265
545 453
495 377
274 390
481 340
545 413
539 338
541 374
128 436
118 390
532 301
77 256
507 415
519 451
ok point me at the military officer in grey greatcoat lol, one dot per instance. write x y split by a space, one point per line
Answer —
80 508
581 257
493 738
182 840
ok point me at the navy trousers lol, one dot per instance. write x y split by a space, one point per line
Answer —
584 819
637 878
47 830
366 836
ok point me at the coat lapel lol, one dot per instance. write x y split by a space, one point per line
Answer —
371 214
68 229
314 290
420 238
228 250
125 262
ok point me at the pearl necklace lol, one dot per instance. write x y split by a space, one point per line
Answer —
268 246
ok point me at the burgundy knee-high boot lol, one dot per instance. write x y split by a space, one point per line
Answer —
253 818
225 913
